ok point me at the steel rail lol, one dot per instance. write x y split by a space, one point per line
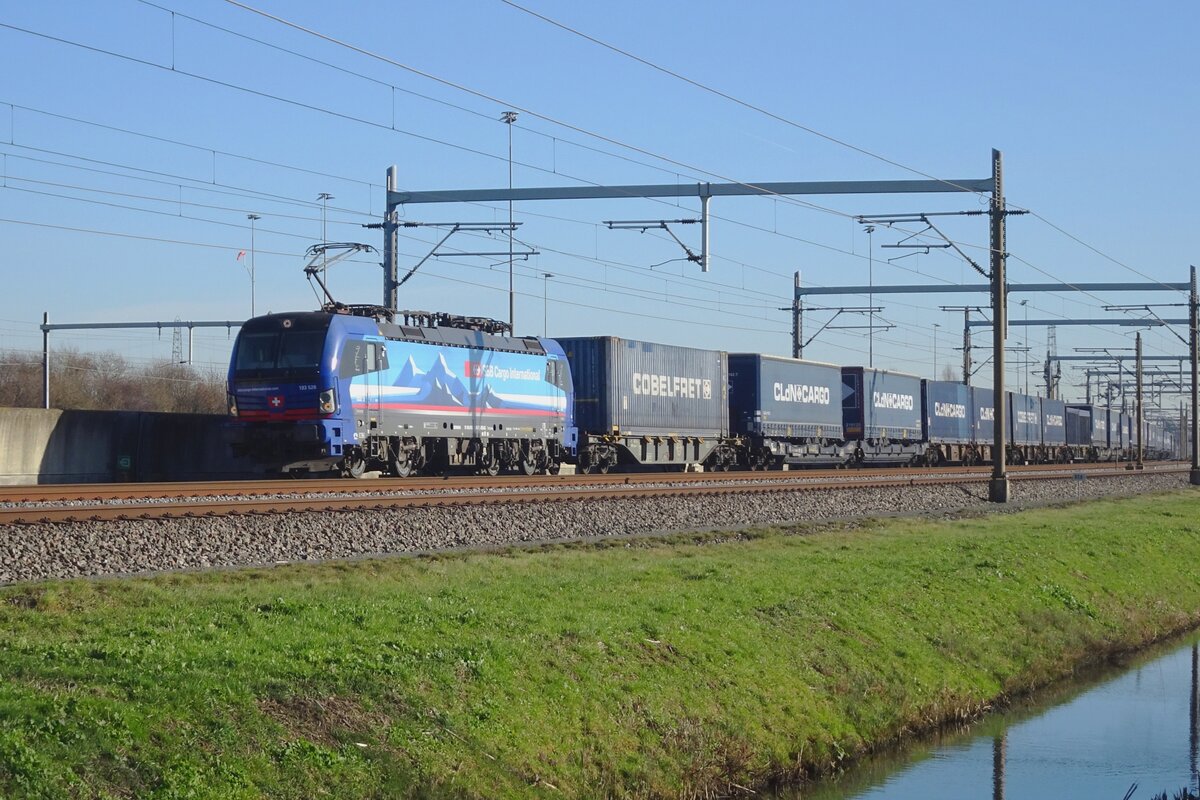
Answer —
288 486
199 508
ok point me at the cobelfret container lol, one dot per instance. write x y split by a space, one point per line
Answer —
659 403
1054 422
771 396
983 402
881 405
1024 419
949 412
1080 426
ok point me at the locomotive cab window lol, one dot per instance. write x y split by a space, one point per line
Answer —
256 351
556 373
278 354
301 349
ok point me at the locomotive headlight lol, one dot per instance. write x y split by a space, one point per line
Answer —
327 402
231 403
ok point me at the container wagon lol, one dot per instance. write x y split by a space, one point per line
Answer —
1127 439
1080 429
788 411
643 403
1054 432
882 416
1024 428
984 403
949 423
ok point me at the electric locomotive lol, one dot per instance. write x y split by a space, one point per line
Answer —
346 390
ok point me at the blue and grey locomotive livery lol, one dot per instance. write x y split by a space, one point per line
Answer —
319 391
332 390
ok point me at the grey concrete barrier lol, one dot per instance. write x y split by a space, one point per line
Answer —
56 446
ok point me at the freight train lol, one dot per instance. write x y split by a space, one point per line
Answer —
349 392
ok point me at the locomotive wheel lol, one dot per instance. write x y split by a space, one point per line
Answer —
553 468
603 468
355 466
584 469
490 466
529 467
401 467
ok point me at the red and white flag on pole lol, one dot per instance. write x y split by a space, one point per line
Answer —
241 254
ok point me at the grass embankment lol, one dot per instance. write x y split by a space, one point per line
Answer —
659 669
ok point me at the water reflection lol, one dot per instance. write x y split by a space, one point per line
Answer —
1085 740
998 745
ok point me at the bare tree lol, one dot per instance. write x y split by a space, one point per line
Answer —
107 381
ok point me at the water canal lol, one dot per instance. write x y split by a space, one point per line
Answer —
1096 738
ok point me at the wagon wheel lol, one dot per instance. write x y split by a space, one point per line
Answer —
603 467
553 468
489 465
529 466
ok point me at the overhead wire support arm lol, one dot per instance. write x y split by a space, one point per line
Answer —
644 225
923 218
1154 315
838 311
455 227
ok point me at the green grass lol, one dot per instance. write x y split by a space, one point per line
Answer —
650 669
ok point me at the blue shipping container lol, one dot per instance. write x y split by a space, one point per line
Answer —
1054 424
1024 419
948 412
1079 425
1101 429
881 405
983 401
1126 430
783 397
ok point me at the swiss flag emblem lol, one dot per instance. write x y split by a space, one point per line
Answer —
275 401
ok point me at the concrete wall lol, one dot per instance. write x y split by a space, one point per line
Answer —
54 446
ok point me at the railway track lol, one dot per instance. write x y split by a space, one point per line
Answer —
67 503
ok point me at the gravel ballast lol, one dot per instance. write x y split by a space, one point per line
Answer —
39 552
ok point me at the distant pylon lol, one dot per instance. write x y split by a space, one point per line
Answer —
177 344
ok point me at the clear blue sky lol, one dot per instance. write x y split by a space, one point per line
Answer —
1095 110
